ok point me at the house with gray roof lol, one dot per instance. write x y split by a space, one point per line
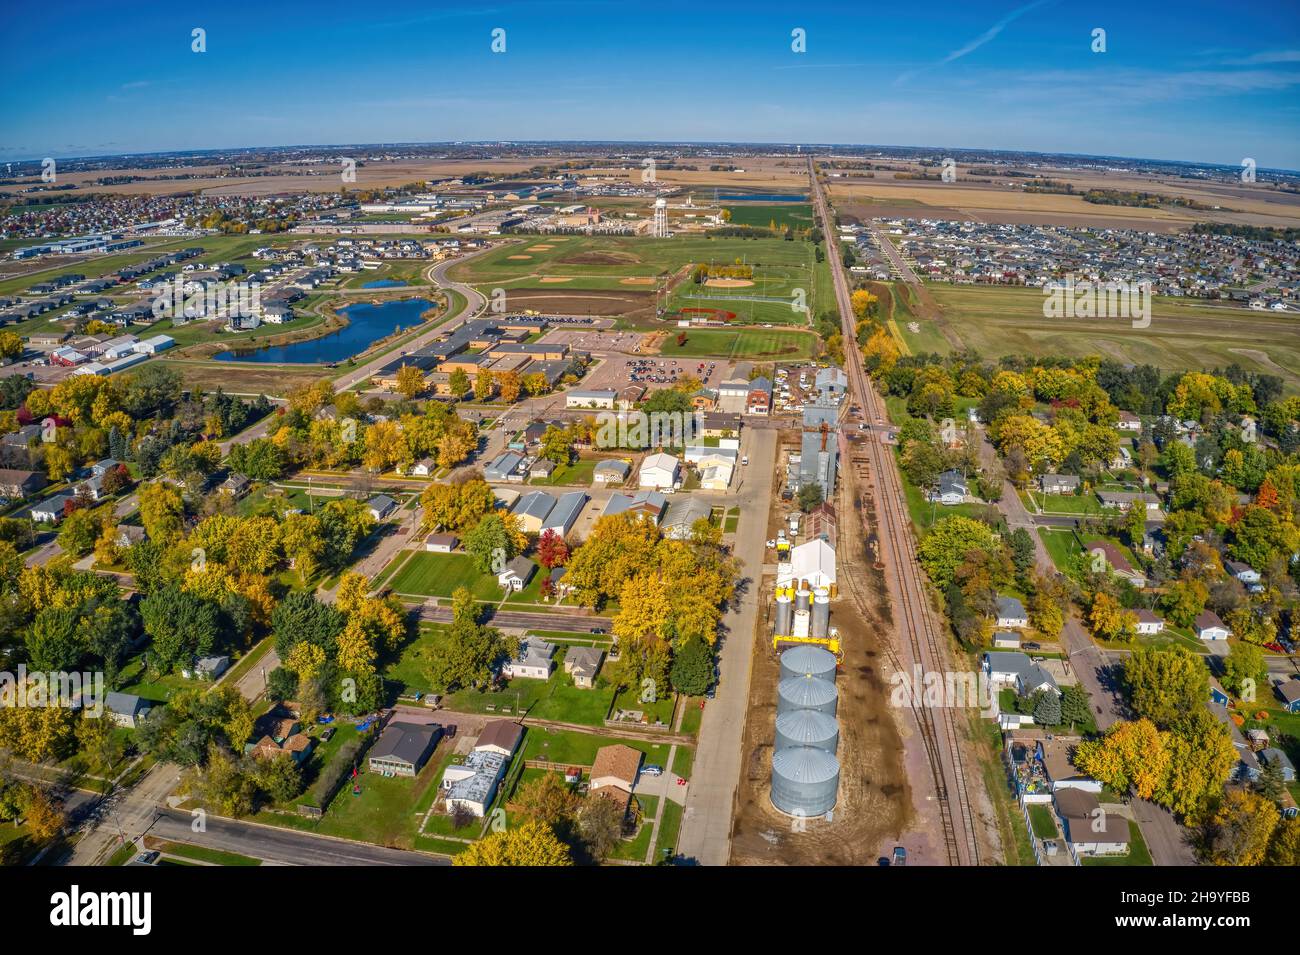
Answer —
404 748
1016 669
535 660
565 513
126 709
507 467
611 471
1011 613
682 515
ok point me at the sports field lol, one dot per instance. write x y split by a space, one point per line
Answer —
1182 335
742 343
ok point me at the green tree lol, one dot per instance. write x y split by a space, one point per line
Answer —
1163 684
1245 661
692 669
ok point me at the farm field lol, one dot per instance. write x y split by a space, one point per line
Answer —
1002 321
743 343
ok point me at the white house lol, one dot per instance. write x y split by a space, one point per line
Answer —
1149 623
659 471
1011 614
517 573
535 660
590 399
1242 571
1208 626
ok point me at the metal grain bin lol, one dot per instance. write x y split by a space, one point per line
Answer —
806 693
805 781
807 660
795 728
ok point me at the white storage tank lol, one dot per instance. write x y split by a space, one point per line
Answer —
807 660
795 728
805 781
806 693
821 615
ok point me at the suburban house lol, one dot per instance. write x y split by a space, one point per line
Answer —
614 772
298 746
380 506
1054 755
517 573
424 467
583 663
50 510
1016 670
1128 421
659 471
1123 500
611 471
472 784
1244 572
501 737
20 484
236 485
1059 483
1149 623
952 489
207 668
541 469
404 748
1289 691
535 660
1091 831
1011 614
126 709
128 535
646 504
1208 626
682 515
1006 640
1119 564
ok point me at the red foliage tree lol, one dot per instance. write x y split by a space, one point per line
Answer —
552 551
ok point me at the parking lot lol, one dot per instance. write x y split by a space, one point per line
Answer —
616 372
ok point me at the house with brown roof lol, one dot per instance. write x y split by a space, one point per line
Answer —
1117 561
1090 829
500 736
614 772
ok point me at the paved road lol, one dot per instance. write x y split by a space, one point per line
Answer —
706 823
895 257
283 846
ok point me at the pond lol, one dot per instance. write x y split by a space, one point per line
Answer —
367 324
384 283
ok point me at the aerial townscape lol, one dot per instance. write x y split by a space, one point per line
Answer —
528 491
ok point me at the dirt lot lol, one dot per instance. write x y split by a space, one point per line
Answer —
874 804
572 301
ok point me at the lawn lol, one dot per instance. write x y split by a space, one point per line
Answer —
438 575
1138 853
660 710
1044 824
203 854
578 473
670 824
795 215
1061 547
579 749
634 849
1066 503
134 678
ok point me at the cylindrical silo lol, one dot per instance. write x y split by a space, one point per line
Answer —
806 693
784 614
795 728
821 617
805 660
805 781
802 600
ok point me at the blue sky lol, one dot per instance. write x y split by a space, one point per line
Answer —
1192 80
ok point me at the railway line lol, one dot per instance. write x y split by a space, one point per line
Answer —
924 639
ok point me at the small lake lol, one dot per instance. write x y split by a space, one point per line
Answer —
384 283
367 324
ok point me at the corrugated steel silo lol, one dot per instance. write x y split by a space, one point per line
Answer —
821 617
806 693
805 660
805 781
784 614
795 728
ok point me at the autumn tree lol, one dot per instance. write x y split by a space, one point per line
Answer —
531 843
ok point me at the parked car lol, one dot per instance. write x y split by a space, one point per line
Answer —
326 736
900 856
652 770
1032 646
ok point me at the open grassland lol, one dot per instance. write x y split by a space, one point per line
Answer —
1182 335
777 215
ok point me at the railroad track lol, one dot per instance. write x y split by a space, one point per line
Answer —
939 733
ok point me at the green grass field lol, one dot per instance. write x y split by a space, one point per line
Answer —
1182 334
437 575
781 344
778 215
569 746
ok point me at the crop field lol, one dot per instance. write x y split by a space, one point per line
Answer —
781 344
796 215
1182 335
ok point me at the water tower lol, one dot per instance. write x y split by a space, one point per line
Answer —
661 218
